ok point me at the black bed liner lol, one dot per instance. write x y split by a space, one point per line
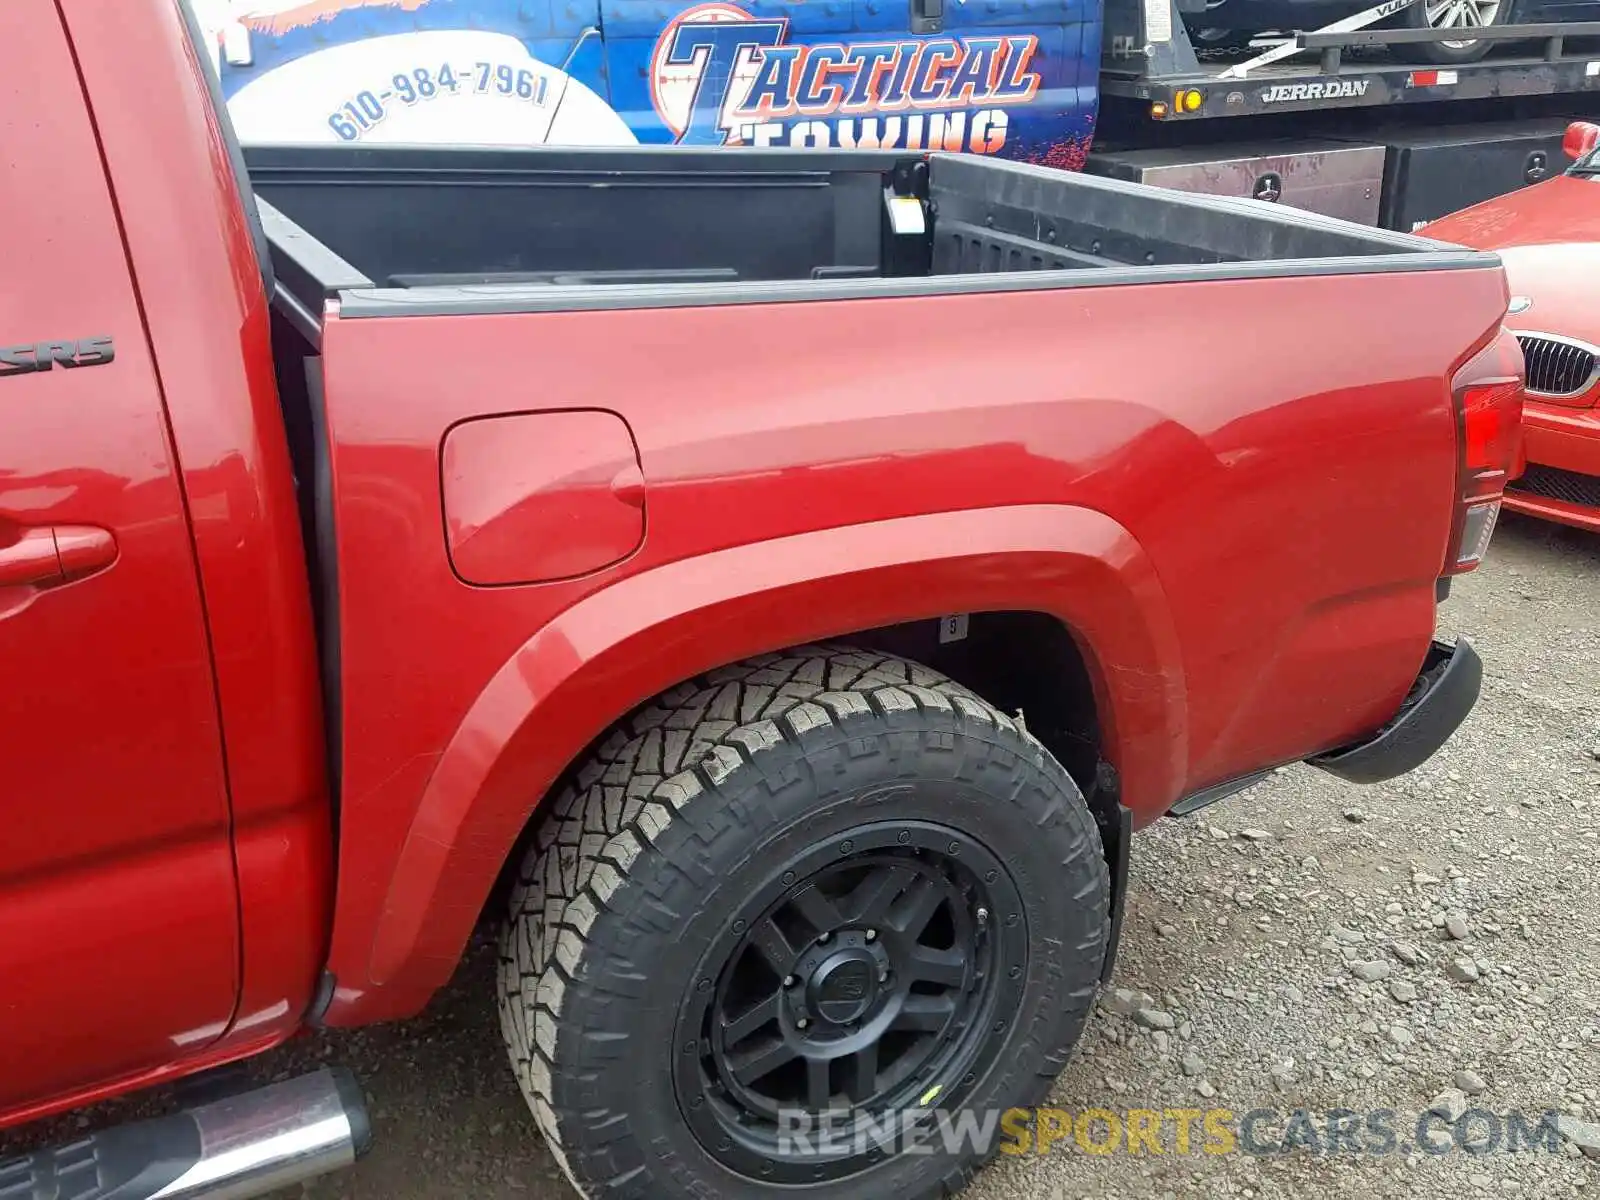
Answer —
422 229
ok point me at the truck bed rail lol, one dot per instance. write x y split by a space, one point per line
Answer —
423 230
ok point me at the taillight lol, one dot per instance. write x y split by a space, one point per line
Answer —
1488 395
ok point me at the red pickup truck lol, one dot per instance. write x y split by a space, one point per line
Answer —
770 586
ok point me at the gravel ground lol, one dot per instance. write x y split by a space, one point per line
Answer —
1306 944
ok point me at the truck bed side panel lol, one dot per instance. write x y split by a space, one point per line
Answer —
1278 456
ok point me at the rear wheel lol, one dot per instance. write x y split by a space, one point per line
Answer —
787 922
1465 15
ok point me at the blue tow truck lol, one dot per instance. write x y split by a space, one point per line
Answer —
1386 115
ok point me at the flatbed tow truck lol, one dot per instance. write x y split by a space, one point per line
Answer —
1351 119
1358 119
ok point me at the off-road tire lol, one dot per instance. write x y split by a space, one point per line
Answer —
642 853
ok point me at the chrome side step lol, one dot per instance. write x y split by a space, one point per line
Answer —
230 1149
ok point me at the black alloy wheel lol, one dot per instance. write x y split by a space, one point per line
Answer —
871 984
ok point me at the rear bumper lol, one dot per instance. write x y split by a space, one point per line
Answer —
1440 699
1567 441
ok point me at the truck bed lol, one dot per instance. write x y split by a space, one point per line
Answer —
1182 428
422 229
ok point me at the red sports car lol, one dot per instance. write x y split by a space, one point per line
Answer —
1549 239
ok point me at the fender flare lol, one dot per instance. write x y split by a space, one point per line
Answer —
621 645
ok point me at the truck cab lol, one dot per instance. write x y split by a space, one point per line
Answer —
163 737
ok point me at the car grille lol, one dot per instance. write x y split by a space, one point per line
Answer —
1557 367
1554 484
